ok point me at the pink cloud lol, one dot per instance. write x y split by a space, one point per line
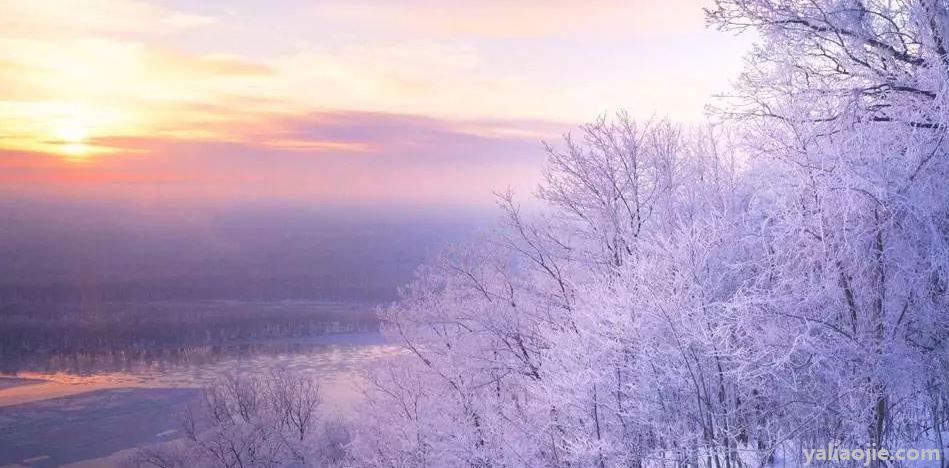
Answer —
329 157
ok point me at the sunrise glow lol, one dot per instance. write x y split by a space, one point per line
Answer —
72 138
154 91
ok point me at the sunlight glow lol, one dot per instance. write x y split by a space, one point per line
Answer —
72 139
69 130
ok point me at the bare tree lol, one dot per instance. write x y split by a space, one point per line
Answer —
251 422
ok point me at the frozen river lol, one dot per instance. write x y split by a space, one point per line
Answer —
57 409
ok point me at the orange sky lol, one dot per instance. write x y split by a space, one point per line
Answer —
361 101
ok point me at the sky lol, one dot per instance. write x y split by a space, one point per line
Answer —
179 150
329 103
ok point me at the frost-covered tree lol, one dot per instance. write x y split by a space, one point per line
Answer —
241 421
845 112
720 296
574 337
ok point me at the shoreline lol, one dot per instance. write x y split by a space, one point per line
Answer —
28 390
10 381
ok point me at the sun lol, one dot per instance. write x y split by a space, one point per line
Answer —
71 140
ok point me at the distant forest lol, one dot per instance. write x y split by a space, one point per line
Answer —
69 328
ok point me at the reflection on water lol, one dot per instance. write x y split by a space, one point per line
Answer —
333 360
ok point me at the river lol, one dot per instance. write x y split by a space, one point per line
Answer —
80 409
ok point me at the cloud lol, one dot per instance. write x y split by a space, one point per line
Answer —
522 19
336 101
55 19
106 87
90 69
336 158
